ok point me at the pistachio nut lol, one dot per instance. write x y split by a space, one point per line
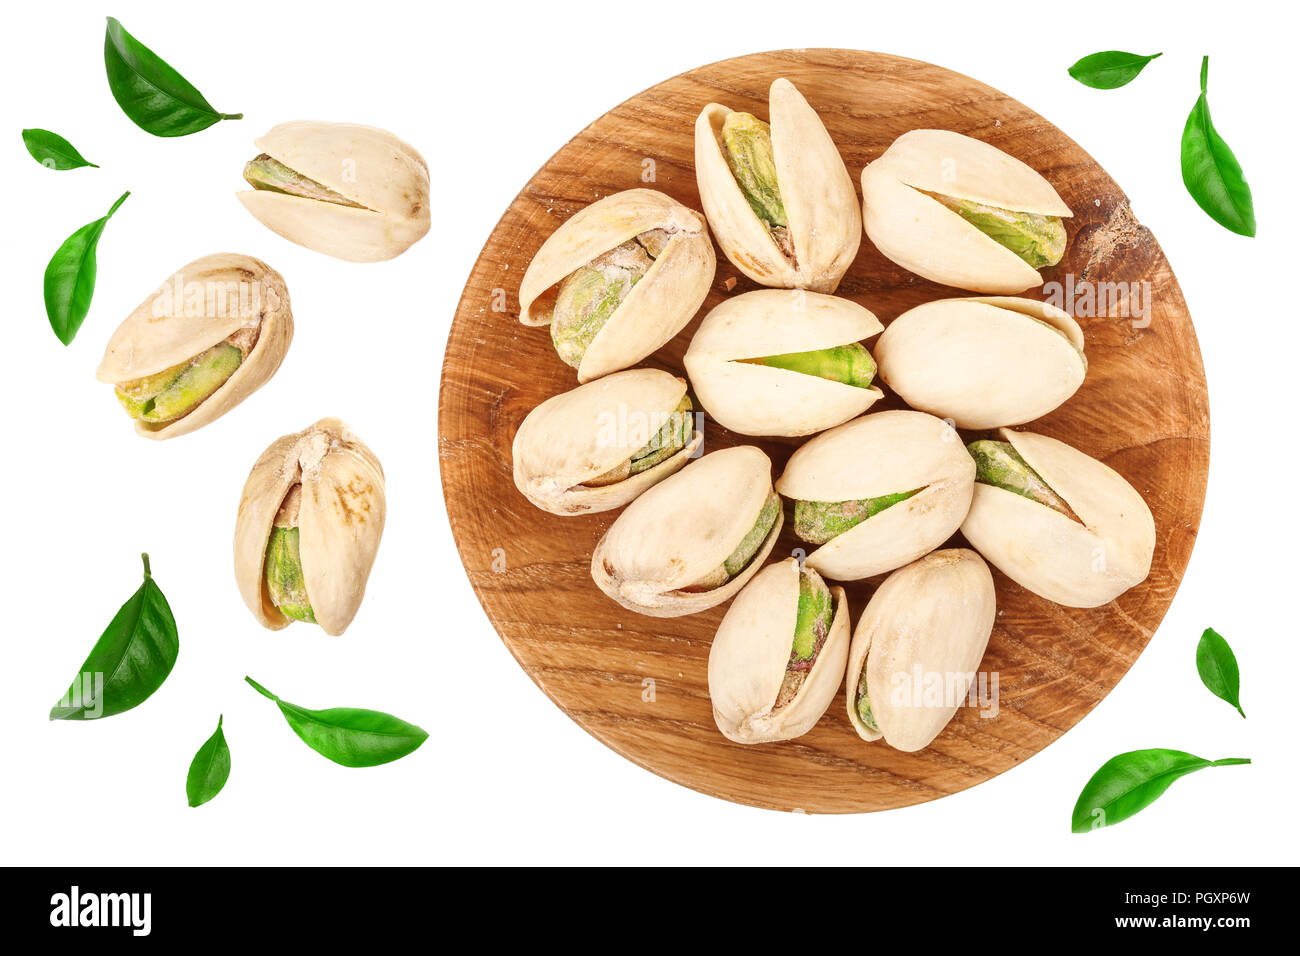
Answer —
600 445
618 280
779 198
774 362
1056 521
352 192
778 656
983 362
878 492
212 334
917 646
961 212
693 540
310 519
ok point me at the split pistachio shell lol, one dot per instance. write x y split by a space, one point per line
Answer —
210 335
353 192
926 236
758 695
983 362
822 228
883 454
644 314
661 555
567 443
757 399
1080 561
929 621
325 483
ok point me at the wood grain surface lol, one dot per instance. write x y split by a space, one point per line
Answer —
638 683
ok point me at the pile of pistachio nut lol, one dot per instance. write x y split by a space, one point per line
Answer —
312 511
871 493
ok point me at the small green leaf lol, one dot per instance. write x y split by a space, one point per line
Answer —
347 735
130 660
70 277
1110 69
1217 666
152 94
53 151
1127 784
209 769
1211 172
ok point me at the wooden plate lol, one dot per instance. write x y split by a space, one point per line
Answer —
638 683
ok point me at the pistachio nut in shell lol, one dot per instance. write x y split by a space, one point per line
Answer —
983 362
778 656
929 622
352 192
600 445
618 279
778 362
310 519
779 198
693 540
961 212
210 335
1084 554
878 492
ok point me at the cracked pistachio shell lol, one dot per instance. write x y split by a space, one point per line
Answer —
660 303
933 616
983 362
750 653
821 206
683 528
925 237
884 453
195 308
581 434
1083 563
368 166
340 521
759 400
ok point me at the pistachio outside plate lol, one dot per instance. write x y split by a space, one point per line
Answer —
638 684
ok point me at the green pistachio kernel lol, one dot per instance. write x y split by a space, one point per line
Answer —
814 620
668 441
850 364
590 295
998 464
747 145
739 559
269 174
863 703
172 393
1038 240
284 581
816 522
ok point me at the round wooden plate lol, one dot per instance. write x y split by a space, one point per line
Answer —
638 683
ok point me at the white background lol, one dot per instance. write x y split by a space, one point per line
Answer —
488 91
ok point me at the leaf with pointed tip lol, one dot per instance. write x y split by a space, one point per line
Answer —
1110 69
53 151
70 277
1129 783
209 769
1217 666
1211 172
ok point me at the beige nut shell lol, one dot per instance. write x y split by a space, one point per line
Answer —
368 166
750 652
340 522
879 454
1056 557
923 236
195 308
758 400
677 532
983 362
816 189
932 617
659 305
576 436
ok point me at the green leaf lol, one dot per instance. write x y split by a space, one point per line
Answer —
152 94
70 277
347 735
53 151
1211 173
130 660
1110 69
1217 666
209 769
1127 784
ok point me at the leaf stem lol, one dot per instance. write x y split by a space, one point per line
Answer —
121 199
145 559
260 689
1230 762
231 115
1205 72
